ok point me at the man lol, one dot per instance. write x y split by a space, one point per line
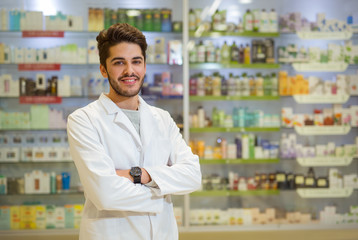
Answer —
130 156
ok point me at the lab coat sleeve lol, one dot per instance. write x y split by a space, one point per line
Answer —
182 175
102 186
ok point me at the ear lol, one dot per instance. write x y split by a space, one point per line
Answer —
103 71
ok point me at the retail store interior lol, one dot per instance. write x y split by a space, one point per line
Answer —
265 92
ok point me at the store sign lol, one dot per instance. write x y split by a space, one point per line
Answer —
28 34
40 100
39 67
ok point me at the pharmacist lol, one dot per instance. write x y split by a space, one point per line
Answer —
130 156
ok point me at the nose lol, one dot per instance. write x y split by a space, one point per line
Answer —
128 69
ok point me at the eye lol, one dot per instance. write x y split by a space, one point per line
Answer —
137 62
118 63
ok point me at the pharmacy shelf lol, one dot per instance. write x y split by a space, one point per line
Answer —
213 229
325 35
64 193
320 67
234 129
233 98
233 65
30 129
329 99
239 161
214 34
322 130
229 193
160 97
265 227
37 162
38 232
325 192
324 161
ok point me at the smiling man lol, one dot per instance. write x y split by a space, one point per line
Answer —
130 156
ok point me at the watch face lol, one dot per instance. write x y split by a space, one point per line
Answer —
135 171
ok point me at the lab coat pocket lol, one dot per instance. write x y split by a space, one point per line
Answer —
99 229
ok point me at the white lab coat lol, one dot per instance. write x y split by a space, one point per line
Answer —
102 139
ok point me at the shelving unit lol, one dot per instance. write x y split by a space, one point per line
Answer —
288 200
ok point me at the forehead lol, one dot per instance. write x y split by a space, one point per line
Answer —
125 50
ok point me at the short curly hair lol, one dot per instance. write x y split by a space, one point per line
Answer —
115 34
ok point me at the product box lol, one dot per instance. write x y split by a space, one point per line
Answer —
354 115
5 217
40 216
353 84
175 52
78 208
27 217
15 217
60 217
287 117
69 216
50 216
11 154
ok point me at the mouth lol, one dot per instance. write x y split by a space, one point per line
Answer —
129 80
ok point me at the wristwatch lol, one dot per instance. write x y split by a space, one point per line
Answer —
136 173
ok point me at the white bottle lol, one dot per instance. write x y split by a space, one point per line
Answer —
264 21
192 20
201 52
210 52
248 21
273 25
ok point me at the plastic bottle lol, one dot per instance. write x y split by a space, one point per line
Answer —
248 20
225 53
193 54
273 24
256 20
264 21
247 57
201 52
234 52
241 53
192 20
210 52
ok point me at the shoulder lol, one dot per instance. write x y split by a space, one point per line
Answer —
87 112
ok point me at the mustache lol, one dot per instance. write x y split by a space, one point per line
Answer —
127 76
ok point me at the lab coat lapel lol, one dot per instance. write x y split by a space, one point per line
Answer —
122 120
120 117
148 124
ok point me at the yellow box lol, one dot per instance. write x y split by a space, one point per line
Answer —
15 217
28 217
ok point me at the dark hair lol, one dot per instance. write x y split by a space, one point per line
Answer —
117 33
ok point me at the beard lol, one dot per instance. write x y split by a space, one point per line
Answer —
125 93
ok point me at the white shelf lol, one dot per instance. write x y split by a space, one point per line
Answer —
334 99
324 161
320 67
325 35
182 229
325 192
322 130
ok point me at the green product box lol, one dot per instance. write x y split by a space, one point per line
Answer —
39 116
69 216
50 217
4 218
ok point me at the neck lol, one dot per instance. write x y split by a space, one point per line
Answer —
130 103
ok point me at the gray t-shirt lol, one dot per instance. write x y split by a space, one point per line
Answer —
133 116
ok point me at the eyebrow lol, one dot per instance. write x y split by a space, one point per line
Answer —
121 58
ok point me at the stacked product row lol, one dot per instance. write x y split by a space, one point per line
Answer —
49 216
241 117
253 216
280 180
244 85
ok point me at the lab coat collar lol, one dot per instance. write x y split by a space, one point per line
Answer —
147 119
